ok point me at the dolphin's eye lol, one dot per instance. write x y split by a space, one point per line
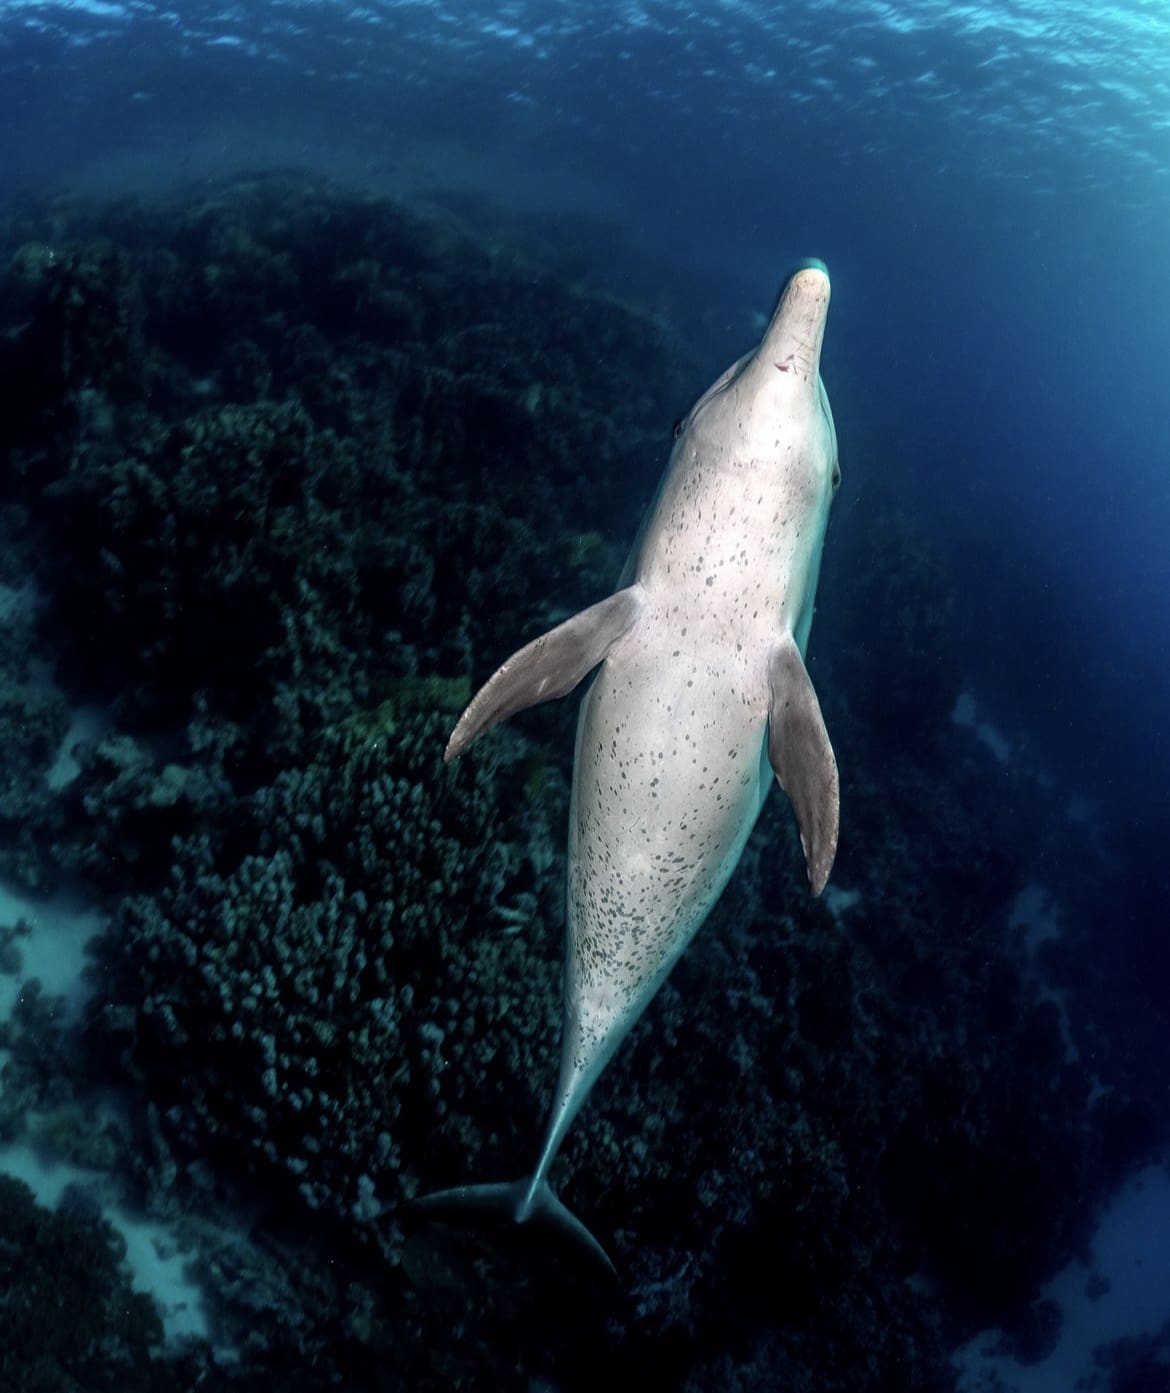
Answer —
836 477
678 428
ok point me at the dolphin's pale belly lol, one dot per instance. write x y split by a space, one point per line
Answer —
701 701
666 790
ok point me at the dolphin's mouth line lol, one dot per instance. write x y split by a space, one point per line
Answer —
711 395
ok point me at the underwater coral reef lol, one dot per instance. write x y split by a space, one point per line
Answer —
287 468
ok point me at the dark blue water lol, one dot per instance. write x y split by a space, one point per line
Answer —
990 188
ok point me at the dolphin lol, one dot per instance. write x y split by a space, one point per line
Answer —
701 697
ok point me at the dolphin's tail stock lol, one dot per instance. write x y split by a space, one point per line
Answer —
521 1202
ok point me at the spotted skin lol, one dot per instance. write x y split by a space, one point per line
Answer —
699 697
671 766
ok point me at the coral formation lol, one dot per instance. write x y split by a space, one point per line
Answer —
294 469
71 1322
313 998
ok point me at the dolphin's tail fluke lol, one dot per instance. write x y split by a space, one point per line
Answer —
523 1203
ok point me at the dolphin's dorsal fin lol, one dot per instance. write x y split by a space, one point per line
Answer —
549 666
802 759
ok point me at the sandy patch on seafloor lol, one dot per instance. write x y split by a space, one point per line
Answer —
53 949
1129 1267
54 952
157 1264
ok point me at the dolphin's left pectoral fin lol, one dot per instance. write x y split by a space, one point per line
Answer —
802 759
548 667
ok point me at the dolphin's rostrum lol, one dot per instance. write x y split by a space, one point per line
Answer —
700 697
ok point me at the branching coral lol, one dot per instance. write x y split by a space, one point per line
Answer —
316 996
71 1322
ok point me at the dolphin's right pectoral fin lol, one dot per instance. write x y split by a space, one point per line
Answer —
548 667
802 759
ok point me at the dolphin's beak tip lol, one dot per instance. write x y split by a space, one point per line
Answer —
812 263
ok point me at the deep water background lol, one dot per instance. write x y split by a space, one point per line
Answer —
990 188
